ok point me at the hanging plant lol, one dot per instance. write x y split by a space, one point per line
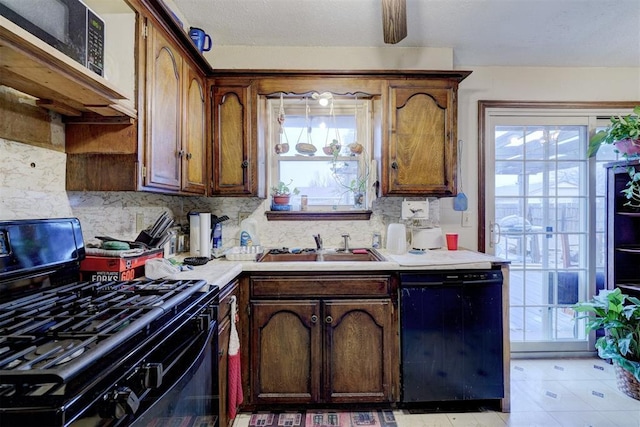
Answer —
624 133
333 148
306 148
355 147
281 147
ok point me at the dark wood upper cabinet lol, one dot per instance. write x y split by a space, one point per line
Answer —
414 125
235 149
175 156
420 157
163 112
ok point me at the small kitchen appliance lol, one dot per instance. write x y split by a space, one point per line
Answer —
424 235
67 25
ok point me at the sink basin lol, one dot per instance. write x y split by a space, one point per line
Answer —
370 255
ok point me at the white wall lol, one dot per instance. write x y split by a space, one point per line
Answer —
524 84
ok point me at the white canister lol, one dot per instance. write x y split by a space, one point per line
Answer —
194 233
397 239
205 234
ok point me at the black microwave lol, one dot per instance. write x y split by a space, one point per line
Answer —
67 25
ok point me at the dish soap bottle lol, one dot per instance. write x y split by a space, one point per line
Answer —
217 236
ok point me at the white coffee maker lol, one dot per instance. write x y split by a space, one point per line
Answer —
424 235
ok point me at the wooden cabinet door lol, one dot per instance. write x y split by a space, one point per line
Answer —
285 351
193 154
358 350
163 112
234 160
422 140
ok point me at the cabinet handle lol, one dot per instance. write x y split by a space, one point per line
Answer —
189 156
394 165
245 164
314 318
328 319
180 153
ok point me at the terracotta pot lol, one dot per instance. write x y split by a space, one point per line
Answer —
356 148
630 147
281 200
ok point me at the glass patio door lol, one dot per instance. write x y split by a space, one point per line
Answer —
539 221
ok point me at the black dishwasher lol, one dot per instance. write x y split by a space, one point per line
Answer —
451 334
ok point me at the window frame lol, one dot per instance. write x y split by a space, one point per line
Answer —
343 105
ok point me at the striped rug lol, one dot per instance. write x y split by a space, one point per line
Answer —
324 418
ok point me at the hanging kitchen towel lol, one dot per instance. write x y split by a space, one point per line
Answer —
235 396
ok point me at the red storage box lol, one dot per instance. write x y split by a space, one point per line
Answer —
103 268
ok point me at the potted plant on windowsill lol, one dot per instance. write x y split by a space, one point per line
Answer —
619 315
281 195
624 134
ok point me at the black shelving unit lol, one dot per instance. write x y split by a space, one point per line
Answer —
622 263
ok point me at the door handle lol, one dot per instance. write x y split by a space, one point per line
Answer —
495 234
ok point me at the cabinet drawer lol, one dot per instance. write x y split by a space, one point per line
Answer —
320 286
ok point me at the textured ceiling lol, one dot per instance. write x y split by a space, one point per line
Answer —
480 32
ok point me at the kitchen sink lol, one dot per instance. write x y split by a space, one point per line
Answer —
328 256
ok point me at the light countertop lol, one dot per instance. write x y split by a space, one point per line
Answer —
219 272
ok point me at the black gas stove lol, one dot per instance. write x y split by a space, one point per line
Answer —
98 353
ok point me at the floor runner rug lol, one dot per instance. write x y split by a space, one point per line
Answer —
324 418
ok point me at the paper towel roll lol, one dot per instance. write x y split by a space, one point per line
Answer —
194 234
205 234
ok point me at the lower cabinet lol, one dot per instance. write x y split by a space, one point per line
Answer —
322 345
224 331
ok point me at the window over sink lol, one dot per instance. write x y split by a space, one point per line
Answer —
321 145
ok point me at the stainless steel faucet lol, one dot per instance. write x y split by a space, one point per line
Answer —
318 240
346 238
319 246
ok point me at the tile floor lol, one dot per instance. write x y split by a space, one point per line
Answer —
544 392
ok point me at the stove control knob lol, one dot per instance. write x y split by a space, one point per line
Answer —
152 375
122 401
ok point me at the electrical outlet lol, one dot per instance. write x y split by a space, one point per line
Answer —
243 215
139 222
415 209
466 219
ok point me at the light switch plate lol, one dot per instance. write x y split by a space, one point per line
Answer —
415 209
466 219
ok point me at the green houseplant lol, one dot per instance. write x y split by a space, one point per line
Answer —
619 315
624 133
281 193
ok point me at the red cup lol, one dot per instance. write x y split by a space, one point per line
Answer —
452 241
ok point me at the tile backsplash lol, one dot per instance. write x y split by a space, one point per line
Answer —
33 181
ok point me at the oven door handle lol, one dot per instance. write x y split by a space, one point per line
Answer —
184 366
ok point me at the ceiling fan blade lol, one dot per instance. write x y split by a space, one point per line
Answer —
394 20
